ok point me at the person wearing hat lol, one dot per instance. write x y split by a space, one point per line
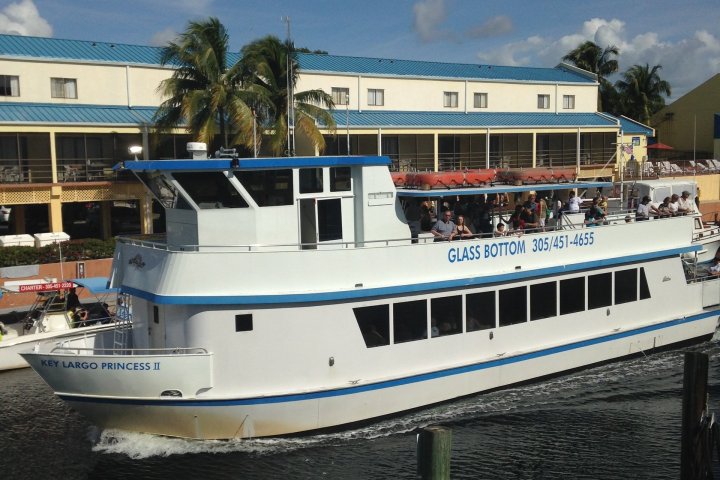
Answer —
685 205
643 210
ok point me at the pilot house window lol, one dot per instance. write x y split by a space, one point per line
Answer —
269 188
210 189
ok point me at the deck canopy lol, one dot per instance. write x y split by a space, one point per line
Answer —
251 163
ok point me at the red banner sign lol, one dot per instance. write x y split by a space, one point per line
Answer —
45 287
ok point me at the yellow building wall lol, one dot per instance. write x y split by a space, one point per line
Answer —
420 94
687 123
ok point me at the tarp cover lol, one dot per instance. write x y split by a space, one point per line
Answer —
96 285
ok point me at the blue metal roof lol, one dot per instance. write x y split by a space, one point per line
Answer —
378 119
629 125
59 49
250 163
312 62
107 52
50 113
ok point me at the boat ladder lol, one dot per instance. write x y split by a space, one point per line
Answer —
123 323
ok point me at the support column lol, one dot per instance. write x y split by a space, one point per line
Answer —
53 158
534 150
379 142
487 149
436 157
106 220
146 224
577 151
55 210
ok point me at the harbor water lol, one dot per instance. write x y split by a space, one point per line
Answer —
621 420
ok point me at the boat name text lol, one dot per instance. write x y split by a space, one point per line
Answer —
513 247
81 365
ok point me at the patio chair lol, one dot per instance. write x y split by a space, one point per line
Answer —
648 170
12 174
664 168
70 173
697 167
716 163
711 166
676 170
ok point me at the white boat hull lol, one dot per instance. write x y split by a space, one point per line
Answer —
106 400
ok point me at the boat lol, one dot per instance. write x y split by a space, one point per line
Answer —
50 323
524 176
288 296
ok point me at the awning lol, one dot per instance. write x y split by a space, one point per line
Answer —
96 285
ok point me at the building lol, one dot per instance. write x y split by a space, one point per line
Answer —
691 124
69 111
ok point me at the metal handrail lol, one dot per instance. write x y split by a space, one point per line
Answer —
176 351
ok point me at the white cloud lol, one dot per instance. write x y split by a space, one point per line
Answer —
23 18
492 27
161 38
429 15
686 63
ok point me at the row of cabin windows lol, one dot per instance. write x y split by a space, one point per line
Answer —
268 188
510 306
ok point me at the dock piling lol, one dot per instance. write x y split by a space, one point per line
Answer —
433 453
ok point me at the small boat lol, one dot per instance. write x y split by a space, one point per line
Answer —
480 177
49 322
269 308
430 180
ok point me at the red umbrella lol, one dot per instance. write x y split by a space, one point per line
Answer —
659 146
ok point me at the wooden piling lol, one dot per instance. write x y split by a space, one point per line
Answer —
693 449
433 453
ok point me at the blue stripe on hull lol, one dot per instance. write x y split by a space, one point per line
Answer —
402 381
398 289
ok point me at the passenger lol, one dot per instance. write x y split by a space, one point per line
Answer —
594 216
685 205
714 267
500 230
543 212
643 210
573 203
516 222
628 219
72 300
444 228
413 214
663 210
531 202
462 231
530 219
603 204
674 204
80 317
426 216
483 219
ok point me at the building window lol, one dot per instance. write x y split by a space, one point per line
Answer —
569 102
9 86
480 100
341 96
376 97
63 87
450 99
543 101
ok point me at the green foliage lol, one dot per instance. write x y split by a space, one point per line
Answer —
88 249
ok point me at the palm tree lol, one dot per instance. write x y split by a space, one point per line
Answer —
589 56
203 92
266 63
642 91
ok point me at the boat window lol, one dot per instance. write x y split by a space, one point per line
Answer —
329 220
210 189
269 188
644 288
311 180
164 191
513 306
339 179
543 300
446 316
410 321
572 295
374 323
626 286
600 290
480 311
243 322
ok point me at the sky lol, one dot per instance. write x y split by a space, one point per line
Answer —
683 37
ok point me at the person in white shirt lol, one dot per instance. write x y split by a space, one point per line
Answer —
685 205
674 204
643 210
574 203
